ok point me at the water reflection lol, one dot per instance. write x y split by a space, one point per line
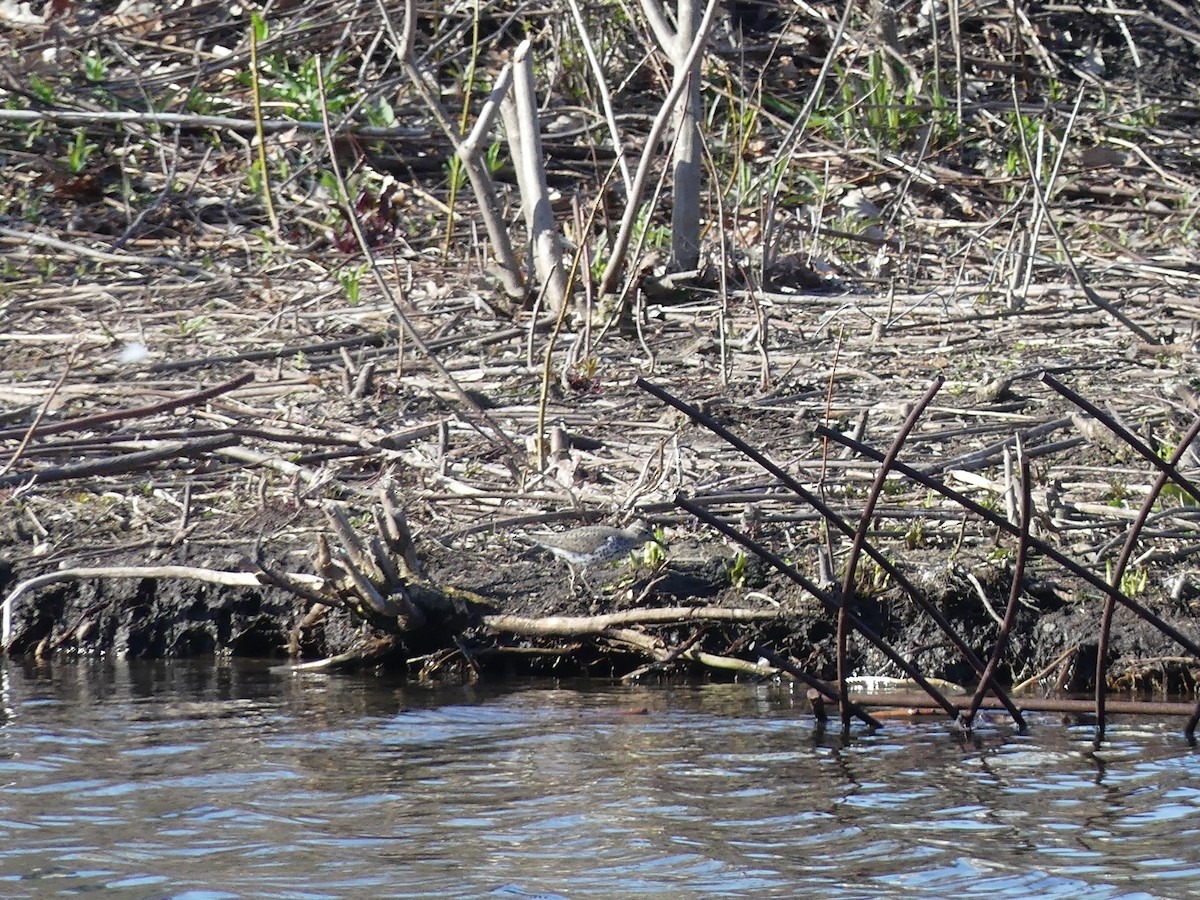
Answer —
230 780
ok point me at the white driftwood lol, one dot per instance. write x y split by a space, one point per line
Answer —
210 576
507 267
616 260
523 129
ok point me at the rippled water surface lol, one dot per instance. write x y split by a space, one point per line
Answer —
232 781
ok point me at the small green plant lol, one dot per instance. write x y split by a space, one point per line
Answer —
261 30
1000 555
381 114
79 153
1015 165
199 102
881 580
737 571
1144 116
95 67
189 328
46 267
914 538
1172 491
42 90
992 502
350 278
495 158
654 554
456 174
1133 580
873 109
584 377
945 117
1118 493
254 178
656 237
297 87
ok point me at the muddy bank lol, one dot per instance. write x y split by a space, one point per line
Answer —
466 631
206 376
174 619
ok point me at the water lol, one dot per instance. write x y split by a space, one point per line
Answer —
231 781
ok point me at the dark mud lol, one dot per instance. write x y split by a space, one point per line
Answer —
904 255
1053 638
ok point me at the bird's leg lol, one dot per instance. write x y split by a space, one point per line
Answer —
589 588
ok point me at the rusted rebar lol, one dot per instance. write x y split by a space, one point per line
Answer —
832 517
1039 545
848 594
1118 572
1168 471
1080 707
824 596
1134 442
1014 594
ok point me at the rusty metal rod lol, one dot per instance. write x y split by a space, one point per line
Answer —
1118 572
1192 646
1127 436
830 516
830 602
849 597
1167 470
1014 595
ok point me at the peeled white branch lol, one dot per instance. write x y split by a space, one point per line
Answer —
684 65
522 126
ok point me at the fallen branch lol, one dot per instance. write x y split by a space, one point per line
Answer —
139 412
183 120
561 626
208 576
125 462
124 259
661 655
369 652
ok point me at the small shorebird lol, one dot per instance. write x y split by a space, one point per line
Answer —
592 544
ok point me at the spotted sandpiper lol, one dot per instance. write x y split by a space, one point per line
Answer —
592 544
